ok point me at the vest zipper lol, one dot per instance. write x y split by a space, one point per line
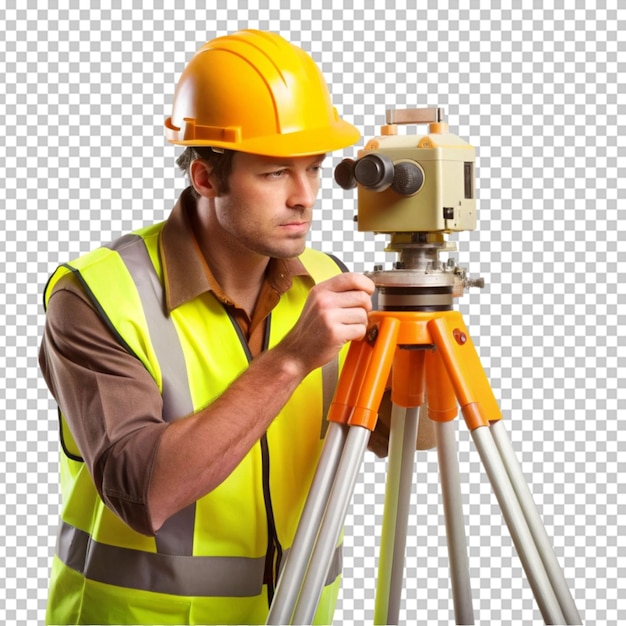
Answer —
274 551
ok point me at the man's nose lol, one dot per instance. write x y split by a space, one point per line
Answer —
303 191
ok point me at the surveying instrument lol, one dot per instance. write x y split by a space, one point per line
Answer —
415 189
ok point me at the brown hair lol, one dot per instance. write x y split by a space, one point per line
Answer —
220 162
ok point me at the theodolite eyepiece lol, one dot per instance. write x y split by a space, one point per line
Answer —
377 172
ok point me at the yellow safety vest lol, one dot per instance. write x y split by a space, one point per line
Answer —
207 563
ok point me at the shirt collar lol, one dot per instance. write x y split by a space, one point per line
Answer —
185 273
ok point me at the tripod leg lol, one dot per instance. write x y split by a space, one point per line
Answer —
443 409
398 489
479 408
330 529
356 401
298 557
544 545
455 527
520 533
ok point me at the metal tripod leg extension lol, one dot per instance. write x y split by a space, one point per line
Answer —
288 586
398 489
520 533
455 527
297 560
443 409
330 528
480 410
544 545
407 395
356 401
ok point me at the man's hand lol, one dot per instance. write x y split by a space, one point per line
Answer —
335 313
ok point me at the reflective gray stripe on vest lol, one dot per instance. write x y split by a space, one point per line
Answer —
176 534
177 400
177 575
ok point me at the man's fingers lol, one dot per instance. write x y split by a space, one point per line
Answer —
350 281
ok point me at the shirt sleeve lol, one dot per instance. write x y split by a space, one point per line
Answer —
112 405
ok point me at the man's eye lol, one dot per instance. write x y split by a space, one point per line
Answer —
276 174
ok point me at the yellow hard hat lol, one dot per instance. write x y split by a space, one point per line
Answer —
255 92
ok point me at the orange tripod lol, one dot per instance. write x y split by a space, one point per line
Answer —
429 355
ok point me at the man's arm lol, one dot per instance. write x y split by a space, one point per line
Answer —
147 470
217 438
111 403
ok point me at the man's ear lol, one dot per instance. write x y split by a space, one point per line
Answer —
202 179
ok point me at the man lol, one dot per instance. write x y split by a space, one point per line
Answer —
192 361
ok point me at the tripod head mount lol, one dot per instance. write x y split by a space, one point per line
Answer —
417 189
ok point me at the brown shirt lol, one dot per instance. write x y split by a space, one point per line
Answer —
112 405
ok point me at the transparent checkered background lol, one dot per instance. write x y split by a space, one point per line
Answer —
540 93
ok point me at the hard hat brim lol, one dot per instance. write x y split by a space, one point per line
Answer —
339 135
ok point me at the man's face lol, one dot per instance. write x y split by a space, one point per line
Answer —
268 207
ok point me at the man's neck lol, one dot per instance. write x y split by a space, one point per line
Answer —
239 271
240 278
